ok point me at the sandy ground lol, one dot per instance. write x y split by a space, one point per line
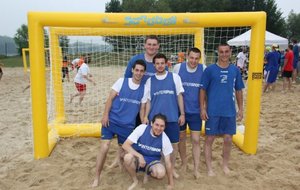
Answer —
72 163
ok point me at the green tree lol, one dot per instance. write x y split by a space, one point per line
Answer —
21 38
293 26
275 21
114 6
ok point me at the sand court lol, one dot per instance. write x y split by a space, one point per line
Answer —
72 163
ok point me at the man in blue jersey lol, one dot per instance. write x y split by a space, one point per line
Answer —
144 147
272 68
221 87
190 73
163 94
151 48
120 112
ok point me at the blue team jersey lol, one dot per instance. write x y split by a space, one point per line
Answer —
220 85
150 69
164 98
126 105
191 85
296 53
272 61
150 147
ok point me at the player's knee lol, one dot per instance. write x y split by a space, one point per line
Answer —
105 146
209 139
182 136
227 139
159 172
195 142
128 158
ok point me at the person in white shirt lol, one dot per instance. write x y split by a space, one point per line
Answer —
83 75
145 147
241 60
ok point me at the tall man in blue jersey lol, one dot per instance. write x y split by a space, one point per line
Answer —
151 48
190 73
121 108
145 146
163 94
221 86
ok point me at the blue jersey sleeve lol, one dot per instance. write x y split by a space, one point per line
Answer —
239 84
205 80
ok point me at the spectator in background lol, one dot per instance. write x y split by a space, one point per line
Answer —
295 62
272 67
65 69
1 71
181 57
76 63
241 60
287 69
83 75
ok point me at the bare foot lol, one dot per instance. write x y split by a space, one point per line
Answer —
175 174
196 174
211 173
146 178
183 168
95 183
226 170
133 185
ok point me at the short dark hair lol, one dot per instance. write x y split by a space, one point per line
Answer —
159 56
152 37
139 62
195 50
160 116
294 41
224 44
291 46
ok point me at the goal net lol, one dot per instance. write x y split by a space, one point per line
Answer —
107 50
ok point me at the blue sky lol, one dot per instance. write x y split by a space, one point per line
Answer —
14 12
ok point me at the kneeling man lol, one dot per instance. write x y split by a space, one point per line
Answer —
144 147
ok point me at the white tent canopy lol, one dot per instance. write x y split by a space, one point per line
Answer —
270 38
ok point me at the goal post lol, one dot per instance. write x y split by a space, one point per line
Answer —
44 138
25 57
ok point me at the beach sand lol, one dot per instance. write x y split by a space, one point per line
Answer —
72 163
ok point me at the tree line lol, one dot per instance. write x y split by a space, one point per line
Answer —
289 27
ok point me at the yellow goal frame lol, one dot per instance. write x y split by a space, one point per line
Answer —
44 139
25 64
